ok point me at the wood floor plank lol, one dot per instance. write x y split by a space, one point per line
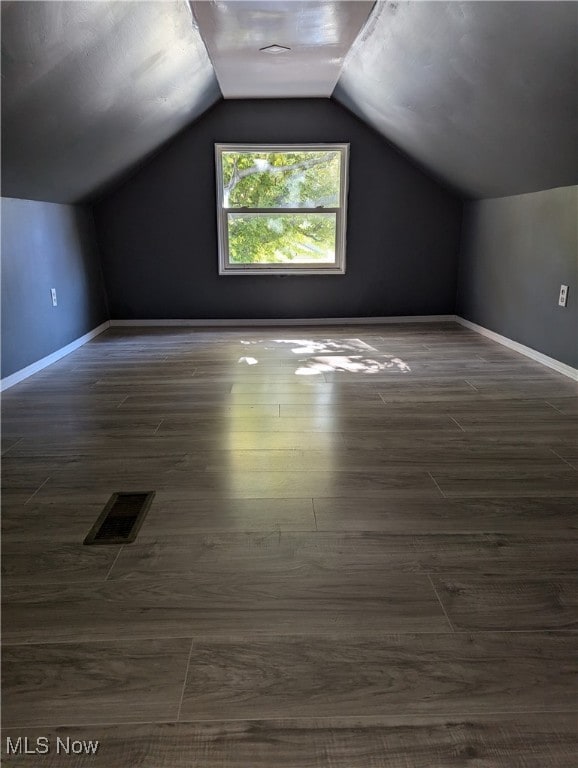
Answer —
288 597
437 553
116 681
107 425
180 518
115 468
69 522
235 440
480 482
403 674
359 459
317 423
543 385
491 602
274 554
42 562
37 522
419 448
190 408
233 483
299 385
500 741
504 409
274 551
546 516
128 446
470 444
545 427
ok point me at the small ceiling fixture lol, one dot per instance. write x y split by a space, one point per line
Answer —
274 49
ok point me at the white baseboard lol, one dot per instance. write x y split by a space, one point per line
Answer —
550 362
24 373
312 321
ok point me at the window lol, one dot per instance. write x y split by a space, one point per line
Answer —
281 209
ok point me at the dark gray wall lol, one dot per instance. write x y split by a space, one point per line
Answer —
158 235
516 252
47 246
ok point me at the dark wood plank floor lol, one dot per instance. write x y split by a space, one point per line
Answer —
362 552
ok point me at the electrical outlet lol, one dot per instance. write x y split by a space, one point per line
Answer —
53 294
563 296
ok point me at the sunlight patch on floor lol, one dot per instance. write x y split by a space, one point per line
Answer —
329 356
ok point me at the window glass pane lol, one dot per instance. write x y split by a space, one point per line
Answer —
277 238
281 179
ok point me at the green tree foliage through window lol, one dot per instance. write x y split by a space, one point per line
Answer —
307 180
281 180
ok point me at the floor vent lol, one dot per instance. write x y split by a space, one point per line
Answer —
120 520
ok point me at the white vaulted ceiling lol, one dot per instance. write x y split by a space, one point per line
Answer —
317 34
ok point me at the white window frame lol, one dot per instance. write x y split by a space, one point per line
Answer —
337 268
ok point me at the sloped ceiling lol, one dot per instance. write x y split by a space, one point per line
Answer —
91 88
483 94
